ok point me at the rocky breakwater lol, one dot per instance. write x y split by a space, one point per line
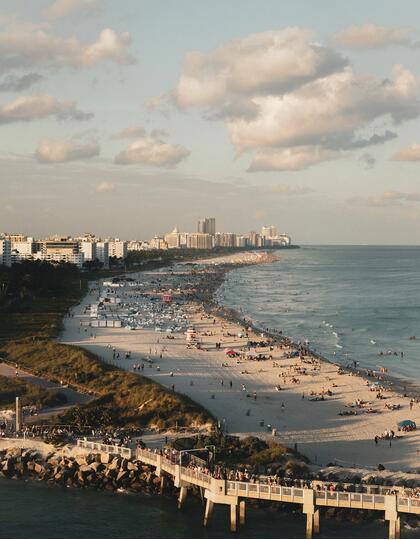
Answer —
99 471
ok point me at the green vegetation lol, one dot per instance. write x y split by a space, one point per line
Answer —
251 452
34 296
124 398
29 393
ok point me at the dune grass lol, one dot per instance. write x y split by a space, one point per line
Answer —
127 399
29 393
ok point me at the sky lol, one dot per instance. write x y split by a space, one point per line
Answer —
128 118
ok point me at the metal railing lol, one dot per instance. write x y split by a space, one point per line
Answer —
259 490
108 448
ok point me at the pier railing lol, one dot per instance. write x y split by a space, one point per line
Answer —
259 490
107 448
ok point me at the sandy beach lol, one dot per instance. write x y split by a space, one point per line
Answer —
242 393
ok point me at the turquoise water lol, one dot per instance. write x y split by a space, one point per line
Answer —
37 510
349 302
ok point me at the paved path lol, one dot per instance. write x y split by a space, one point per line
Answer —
73 397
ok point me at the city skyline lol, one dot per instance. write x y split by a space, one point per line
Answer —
122 121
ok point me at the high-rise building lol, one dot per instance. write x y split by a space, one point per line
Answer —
5 252
158 243
199 241
102 253
88 248
225 239
268 231
117 248
60 249
207 226
173 239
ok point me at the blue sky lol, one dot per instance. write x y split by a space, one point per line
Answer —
301 114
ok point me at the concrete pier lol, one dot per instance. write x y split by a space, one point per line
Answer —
233 518
391 515
182 496
242 512
208 512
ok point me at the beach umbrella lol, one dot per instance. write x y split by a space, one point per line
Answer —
230 351
407 423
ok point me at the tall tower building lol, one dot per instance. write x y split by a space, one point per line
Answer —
207 226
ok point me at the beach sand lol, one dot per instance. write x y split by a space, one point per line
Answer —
315 426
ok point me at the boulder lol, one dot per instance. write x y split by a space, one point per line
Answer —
105 458
122 475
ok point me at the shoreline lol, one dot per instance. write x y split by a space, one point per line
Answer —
333 445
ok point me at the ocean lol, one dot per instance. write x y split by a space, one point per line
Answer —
30 509
352 303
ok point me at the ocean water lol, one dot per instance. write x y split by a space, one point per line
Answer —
349 302
30 509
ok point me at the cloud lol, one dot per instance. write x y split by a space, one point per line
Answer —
412 153
64 8
159 133
23 46
368 160
290 159
152 151
388 198
303 103
163 104
28 108
279 62
13 83
102 187
337 105
369 36
131 132
57 151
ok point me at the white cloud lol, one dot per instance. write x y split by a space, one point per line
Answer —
131 132
23 46
103 187
369 36
303 103
260 64
290 159
64 8
57 151
151 151
331 108
412 153
388 198
27 108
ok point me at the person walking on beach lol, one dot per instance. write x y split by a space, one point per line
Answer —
230 384
376 439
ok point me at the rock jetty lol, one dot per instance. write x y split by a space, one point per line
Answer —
99 471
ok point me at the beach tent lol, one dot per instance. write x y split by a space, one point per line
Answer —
231 353
407 425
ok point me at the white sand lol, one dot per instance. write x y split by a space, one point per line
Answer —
320 433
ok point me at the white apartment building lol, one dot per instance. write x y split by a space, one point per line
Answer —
5 252
225 239
268 231
88 249
102 253
117 248
200 241
158 243
241 241
173 239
